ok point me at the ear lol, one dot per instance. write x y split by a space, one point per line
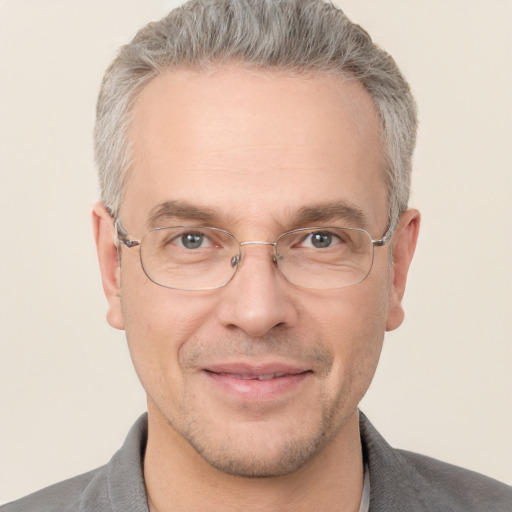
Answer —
103 228
404 244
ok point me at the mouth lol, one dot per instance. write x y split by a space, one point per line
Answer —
267 376
257 383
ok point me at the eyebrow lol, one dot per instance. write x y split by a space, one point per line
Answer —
329 212
180 210
313 214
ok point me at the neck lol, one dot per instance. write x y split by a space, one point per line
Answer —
177 478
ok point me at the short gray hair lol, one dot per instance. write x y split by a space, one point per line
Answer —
294 36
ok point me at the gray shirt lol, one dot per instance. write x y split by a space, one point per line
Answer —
400 482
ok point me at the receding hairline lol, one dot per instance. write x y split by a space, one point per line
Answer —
357 104
288 35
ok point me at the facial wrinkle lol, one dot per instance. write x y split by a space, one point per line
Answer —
311 354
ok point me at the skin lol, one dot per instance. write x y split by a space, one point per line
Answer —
255 148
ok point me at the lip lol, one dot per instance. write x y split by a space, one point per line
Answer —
260 383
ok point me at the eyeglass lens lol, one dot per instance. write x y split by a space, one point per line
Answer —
193 258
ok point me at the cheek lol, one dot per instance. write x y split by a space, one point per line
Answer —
356 312
354 326
158 323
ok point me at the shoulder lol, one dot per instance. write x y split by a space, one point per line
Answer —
402 481
119 485
464 490
66 495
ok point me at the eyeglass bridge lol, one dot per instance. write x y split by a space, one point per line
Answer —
235 260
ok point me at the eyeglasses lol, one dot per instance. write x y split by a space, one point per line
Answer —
206 258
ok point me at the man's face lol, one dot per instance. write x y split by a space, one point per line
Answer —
260 375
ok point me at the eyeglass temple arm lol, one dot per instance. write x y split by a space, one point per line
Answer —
387 236
121 236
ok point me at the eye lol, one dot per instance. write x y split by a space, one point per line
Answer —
193 240
321 240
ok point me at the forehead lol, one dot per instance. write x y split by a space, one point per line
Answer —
244 141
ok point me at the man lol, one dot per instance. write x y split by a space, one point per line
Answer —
254 242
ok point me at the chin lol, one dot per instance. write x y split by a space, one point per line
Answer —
259 459
261 449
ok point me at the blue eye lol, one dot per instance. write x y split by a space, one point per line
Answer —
192 240
320 239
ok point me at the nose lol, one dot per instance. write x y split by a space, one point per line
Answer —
258 298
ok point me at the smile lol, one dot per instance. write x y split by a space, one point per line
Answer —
266 376
262 377
256 384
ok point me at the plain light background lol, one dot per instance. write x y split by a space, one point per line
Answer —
68 394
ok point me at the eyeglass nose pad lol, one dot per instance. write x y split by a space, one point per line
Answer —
235 260
277 257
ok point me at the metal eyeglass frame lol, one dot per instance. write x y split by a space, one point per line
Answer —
121 236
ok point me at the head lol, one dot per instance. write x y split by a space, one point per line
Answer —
255 117
288 36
